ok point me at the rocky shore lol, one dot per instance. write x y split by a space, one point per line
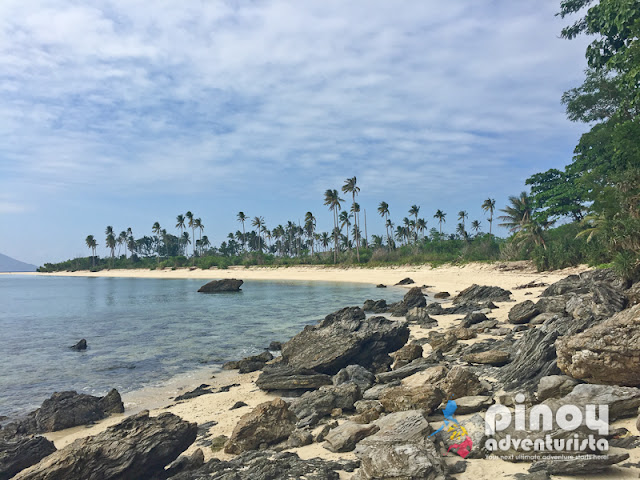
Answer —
363 394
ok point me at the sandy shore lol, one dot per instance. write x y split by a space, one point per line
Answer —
216 407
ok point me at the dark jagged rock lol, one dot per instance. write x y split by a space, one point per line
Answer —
462 382
268 465
623 402
275 346
237 405
442 295
138 447
414 298
312 406
523 312
488 357
66 410
555 386
606 353
218 286
346 338
375 306
186 464
415 366
203 389
420 315
405 281
300 438
481 293
268 423
578 466
362 377
381 285
473 318
80 346
250 364
284 377
583 282
406 355
426 397
20 453
345 437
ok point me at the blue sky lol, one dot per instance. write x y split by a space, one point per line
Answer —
129 112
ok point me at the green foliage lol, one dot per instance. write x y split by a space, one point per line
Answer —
556 194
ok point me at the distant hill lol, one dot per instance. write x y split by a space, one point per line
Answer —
8 264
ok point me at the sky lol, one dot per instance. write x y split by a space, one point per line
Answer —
129 112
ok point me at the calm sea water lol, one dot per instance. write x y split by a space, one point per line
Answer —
143 331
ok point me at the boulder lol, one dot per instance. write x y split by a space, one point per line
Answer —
481 293
431 375
420 316
400 450
475 428
489 357
250 364
472 404
580 466
284 377
381 285
345 437
633 294
345 338
406 355
218 286
374 392
398 374
523 312
473 318
362 377
299 438
138 447
312 406
399 399
607 353
462 382
623 402
22 452
275 346
375 306
414 298
268 423
80 346
442 295
405 281
555 386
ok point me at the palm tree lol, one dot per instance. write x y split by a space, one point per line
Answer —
344 221
489 205
185 240
180 223
131 245
310 227
383 210
517 214
111 240
205 243
351 187
92 244
122 240
461 231
258 222
414 210
332 200
325 240
421 225
440 215
197 223
475 225
243 218
462 216
189 216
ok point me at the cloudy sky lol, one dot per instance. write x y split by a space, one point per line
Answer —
129 112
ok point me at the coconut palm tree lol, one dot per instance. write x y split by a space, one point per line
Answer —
489 205
310 227
383 210
131 245
122 240
462 216
205 243
180 224
421 225
517 214
157 229
440 215
355 210
332 200
92 244
475 226
185 240
197 224
243 218
414 210
460 230
111 240
350 186
325 240
344 222
258 222
189 216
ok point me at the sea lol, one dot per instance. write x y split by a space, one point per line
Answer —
144 333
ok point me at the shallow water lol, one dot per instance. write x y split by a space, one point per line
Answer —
143 332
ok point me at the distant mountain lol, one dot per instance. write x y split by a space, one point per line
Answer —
8 264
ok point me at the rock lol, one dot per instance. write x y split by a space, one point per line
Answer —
81 345
381 285
362 377
472 404
461 382
374 392
399 373
22 452
405 281
368 411
481 293
203 389
268 423
275 346
523 312
300 438
420 316
400 450
638 424
633 294
607 353
579 466
414 298
399 399
375 306
441 295
442 342
138 447
431 375
489 357
185 464
225 285
284 377
555 386
406 355
68 409
312 406
623 402
344 338
473 318
268 465
554 304
475 428
237 405
250 364
534 357
345 437
217 443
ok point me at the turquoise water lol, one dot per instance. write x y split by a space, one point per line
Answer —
143 331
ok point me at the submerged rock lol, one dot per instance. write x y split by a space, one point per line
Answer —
405 281
225 285
81 345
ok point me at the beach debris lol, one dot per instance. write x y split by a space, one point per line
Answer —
482 293
405 281
268 423
225 285
138 447
22 452
81 345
